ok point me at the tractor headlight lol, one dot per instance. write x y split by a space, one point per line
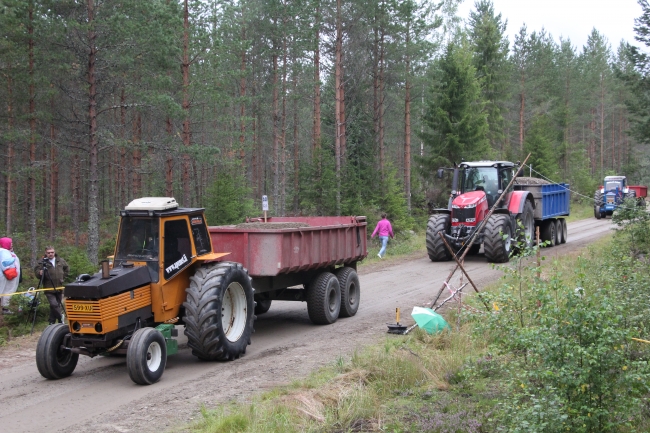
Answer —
470 206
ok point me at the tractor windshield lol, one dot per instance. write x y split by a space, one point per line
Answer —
481 179
611 185
139 239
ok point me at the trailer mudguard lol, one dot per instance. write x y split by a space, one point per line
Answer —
518 200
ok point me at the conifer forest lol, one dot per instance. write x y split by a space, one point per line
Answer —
328 107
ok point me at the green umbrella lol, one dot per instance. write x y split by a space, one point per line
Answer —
429 320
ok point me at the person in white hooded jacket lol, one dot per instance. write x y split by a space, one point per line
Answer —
10 275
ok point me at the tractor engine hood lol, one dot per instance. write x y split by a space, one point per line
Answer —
468 200
121 279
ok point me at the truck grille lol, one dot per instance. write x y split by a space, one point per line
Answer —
462 215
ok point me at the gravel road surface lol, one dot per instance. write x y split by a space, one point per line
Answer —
99 396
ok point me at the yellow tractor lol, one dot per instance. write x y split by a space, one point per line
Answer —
164 272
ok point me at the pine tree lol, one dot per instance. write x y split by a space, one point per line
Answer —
455 119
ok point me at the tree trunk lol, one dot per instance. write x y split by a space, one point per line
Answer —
283 131
10 185
185 68
137 155
32 140
407 123
317 117
276 138
337 105
169 162
296 151
93 210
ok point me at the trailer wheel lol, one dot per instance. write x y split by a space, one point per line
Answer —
497 241
262 306
219 311
558 232
565 231
324 299
525 237
350 291
435 246
548 232
52 360
146 356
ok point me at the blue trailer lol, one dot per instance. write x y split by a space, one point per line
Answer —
551 204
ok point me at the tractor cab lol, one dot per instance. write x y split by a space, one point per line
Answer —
487 176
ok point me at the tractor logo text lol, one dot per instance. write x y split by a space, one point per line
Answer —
176 265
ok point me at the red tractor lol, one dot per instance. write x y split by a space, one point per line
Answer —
476 187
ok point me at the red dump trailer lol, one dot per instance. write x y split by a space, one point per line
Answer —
312 259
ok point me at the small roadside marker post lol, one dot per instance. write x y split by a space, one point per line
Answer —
265 205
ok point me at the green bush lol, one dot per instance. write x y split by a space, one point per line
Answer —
572 363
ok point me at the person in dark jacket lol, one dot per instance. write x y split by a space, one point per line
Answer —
53 270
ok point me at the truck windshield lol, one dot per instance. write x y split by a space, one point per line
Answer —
139 239
481 179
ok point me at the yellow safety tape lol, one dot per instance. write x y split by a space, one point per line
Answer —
32 291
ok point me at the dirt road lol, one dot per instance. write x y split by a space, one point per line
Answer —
100 397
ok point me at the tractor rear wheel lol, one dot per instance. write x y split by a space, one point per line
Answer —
324 299
548 232
52 359
598 203
436 248
497 241
219 312
350 291
146 356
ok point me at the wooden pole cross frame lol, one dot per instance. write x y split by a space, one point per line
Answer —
478 230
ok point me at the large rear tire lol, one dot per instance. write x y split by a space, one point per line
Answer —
525 236
324 299
219 312
146 356
436 248
598 202
548 232
565 231
497 246
52 360
350 291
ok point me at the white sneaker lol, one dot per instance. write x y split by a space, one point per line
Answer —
379 256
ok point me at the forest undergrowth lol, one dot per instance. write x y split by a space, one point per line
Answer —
564 348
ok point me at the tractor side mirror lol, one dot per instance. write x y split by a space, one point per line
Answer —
441 173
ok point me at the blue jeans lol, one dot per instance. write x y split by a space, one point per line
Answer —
384 241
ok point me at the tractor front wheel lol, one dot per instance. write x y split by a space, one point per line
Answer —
436 248
52 359
497 241
146 356
219 312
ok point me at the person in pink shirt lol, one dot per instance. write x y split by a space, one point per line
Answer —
384 230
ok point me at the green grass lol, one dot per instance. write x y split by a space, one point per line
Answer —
381 388
580 210
451 382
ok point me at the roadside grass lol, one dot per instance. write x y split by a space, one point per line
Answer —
404 384
580 210
484 378
403 244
